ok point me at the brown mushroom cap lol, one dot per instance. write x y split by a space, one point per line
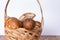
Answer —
13 23
37 24
29 24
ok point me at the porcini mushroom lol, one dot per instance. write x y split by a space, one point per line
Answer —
13 23
37 23
27 15
28 24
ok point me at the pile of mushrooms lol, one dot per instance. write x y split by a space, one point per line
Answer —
25 21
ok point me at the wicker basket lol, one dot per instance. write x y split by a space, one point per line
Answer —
22 33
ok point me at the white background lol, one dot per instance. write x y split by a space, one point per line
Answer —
51 10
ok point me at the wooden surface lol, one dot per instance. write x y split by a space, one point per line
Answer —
42 38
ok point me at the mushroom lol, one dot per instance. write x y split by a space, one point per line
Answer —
37 24
27 15
29 24
13 23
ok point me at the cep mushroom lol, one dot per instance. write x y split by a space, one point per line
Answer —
27 15
37 24
29 24
13 23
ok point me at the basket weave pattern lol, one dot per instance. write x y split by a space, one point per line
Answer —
23 34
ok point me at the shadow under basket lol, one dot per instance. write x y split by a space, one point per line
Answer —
23 34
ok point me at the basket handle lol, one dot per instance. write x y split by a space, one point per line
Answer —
5 15
42 19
